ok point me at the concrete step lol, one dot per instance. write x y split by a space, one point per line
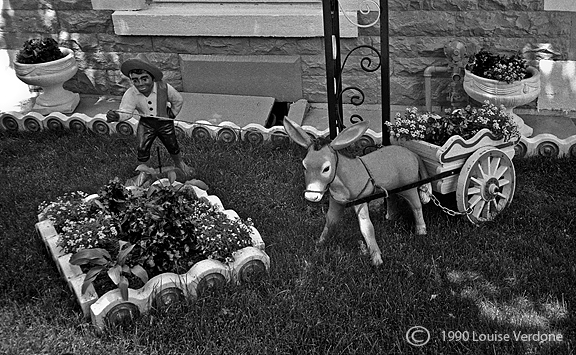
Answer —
214 108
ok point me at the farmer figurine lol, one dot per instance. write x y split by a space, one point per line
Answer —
152 99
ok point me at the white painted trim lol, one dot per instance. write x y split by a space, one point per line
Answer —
560 5
118 5
229 20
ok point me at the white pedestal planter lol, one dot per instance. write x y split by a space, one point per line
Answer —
510 95
51 76
249 263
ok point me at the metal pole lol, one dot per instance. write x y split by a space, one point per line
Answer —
385 70
332 55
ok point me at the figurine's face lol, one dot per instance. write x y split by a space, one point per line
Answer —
143 82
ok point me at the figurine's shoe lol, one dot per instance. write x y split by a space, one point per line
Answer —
188 171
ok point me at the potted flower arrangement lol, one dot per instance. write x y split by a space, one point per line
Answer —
140 247
502 80
42 62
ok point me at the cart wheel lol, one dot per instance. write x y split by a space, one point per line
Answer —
486 184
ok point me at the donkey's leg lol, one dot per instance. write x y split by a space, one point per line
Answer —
367 229
392 207
332 217
414 201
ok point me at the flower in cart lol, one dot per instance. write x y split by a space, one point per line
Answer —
464 122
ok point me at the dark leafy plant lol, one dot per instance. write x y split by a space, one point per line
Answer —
147 175
168 228
38 50
498 67
117 269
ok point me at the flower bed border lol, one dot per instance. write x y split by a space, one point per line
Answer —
545 144
163 289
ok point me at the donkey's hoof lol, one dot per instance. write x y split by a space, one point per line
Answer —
377 259
420 230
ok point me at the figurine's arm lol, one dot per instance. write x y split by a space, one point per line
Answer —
175 99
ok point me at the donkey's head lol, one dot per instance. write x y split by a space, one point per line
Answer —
321 161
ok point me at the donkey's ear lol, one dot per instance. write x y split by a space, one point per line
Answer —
349 135
297 134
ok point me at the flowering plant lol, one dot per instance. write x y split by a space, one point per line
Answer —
166 229
465 122
39 50
498 67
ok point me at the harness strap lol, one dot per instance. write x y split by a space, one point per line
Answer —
371 179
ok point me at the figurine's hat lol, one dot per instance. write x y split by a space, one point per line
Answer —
141 62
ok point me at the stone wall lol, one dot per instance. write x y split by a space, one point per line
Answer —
419 29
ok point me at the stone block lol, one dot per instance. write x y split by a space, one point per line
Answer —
242 20
513 24
118 5
215 109
507 5
177 44
85 42
224 45
313 65
112 43
450 5
273 76
314 88
85 21
71 4
420 23
418 46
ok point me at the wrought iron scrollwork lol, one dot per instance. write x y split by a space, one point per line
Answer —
367 64
376 60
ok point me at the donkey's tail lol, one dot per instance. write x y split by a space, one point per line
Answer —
424 191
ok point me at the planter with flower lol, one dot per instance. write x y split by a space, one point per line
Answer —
41 62
127 249
502 80
470 150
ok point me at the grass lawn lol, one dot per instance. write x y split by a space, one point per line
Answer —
516 274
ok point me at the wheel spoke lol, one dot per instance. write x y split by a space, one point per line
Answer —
474 200
476 180
500 172
495 164
474 191
500 194
482 171
503 182
479 208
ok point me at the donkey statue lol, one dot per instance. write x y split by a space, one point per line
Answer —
347 179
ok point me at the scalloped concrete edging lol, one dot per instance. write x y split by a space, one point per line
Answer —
546 144
161 290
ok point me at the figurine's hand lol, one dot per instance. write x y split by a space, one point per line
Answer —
112 116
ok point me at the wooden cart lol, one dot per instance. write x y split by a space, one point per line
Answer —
479 170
